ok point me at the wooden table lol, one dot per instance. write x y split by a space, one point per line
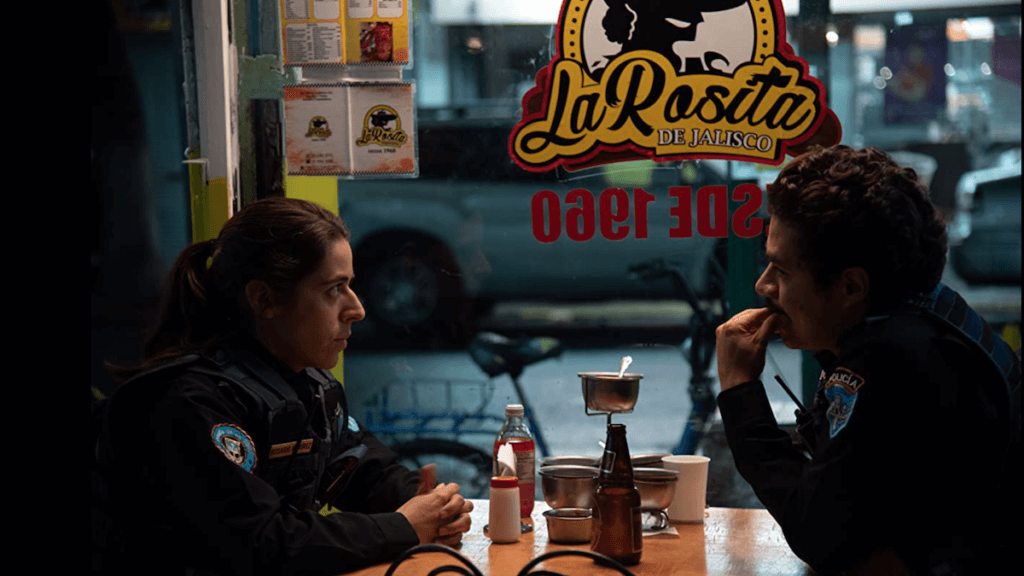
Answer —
730 542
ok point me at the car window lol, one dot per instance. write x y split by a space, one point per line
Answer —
1003 190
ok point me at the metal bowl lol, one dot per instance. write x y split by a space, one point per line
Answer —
592 461
568 486
648 460
606 392
657 486
569 525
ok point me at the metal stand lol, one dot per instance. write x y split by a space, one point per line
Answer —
698 348
659 518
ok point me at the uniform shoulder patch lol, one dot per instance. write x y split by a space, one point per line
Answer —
846 378
353 425
841 389
235 444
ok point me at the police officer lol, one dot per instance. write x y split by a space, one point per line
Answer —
910 451
230 450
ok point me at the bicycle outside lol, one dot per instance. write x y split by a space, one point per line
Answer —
420 436
400 413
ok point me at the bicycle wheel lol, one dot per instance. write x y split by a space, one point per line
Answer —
468 466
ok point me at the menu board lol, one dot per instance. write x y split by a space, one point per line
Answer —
345 32
350 129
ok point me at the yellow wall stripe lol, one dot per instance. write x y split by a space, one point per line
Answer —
320 189
210 204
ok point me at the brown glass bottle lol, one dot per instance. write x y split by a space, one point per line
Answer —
617 530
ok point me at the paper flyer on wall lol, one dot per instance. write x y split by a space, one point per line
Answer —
362 129
345 32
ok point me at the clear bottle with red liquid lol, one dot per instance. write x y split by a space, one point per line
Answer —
515 432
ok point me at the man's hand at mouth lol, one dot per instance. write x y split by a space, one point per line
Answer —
741 343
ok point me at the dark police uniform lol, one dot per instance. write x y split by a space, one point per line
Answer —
912 444
223 465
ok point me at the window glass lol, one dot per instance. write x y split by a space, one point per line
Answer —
615 260
473 63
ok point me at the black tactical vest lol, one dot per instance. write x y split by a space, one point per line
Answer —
293 444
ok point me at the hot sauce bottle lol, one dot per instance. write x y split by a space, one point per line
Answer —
617 530
515 433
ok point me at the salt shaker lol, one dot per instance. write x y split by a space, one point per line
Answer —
503 512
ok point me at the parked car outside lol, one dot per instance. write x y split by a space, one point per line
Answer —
433 253
985 235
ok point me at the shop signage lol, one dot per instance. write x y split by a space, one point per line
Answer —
700 79
350 129
617 215
352 32
364 125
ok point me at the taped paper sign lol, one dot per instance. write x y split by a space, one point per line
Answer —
350 129
638 79
343 32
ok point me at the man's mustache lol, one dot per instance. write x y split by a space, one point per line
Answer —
772 307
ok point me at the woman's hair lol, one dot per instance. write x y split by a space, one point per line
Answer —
277 240
859 208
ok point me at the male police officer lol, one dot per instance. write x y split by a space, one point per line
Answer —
913 436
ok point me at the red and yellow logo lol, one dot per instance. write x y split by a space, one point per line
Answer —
670 80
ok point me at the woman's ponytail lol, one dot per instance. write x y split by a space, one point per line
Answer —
185 307
184 312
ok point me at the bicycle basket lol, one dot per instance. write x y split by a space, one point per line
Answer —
432 406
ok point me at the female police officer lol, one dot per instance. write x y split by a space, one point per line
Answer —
230 449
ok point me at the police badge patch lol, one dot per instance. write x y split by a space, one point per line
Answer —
841 391
235 444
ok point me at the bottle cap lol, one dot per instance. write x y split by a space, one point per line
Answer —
514 410
504 482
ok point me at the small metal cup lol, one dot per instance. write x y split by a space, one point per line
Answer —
569 525
608 393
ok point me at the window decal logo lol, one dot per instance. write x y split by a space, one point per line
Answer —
671 80
383 127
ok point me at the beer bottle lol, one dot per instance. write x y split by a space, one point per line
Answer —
617 531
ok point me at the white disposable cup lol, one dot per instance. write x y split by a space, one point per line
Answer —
691 487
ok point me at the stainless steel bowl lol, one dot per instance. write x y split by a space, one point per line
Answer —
657 486
606 392
568 486
569 525
648 460
592 461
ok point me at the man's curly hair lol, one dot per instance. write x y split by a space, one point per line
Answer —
854 208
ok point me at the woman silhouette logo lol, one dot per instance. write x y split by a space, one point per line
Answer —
697 36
